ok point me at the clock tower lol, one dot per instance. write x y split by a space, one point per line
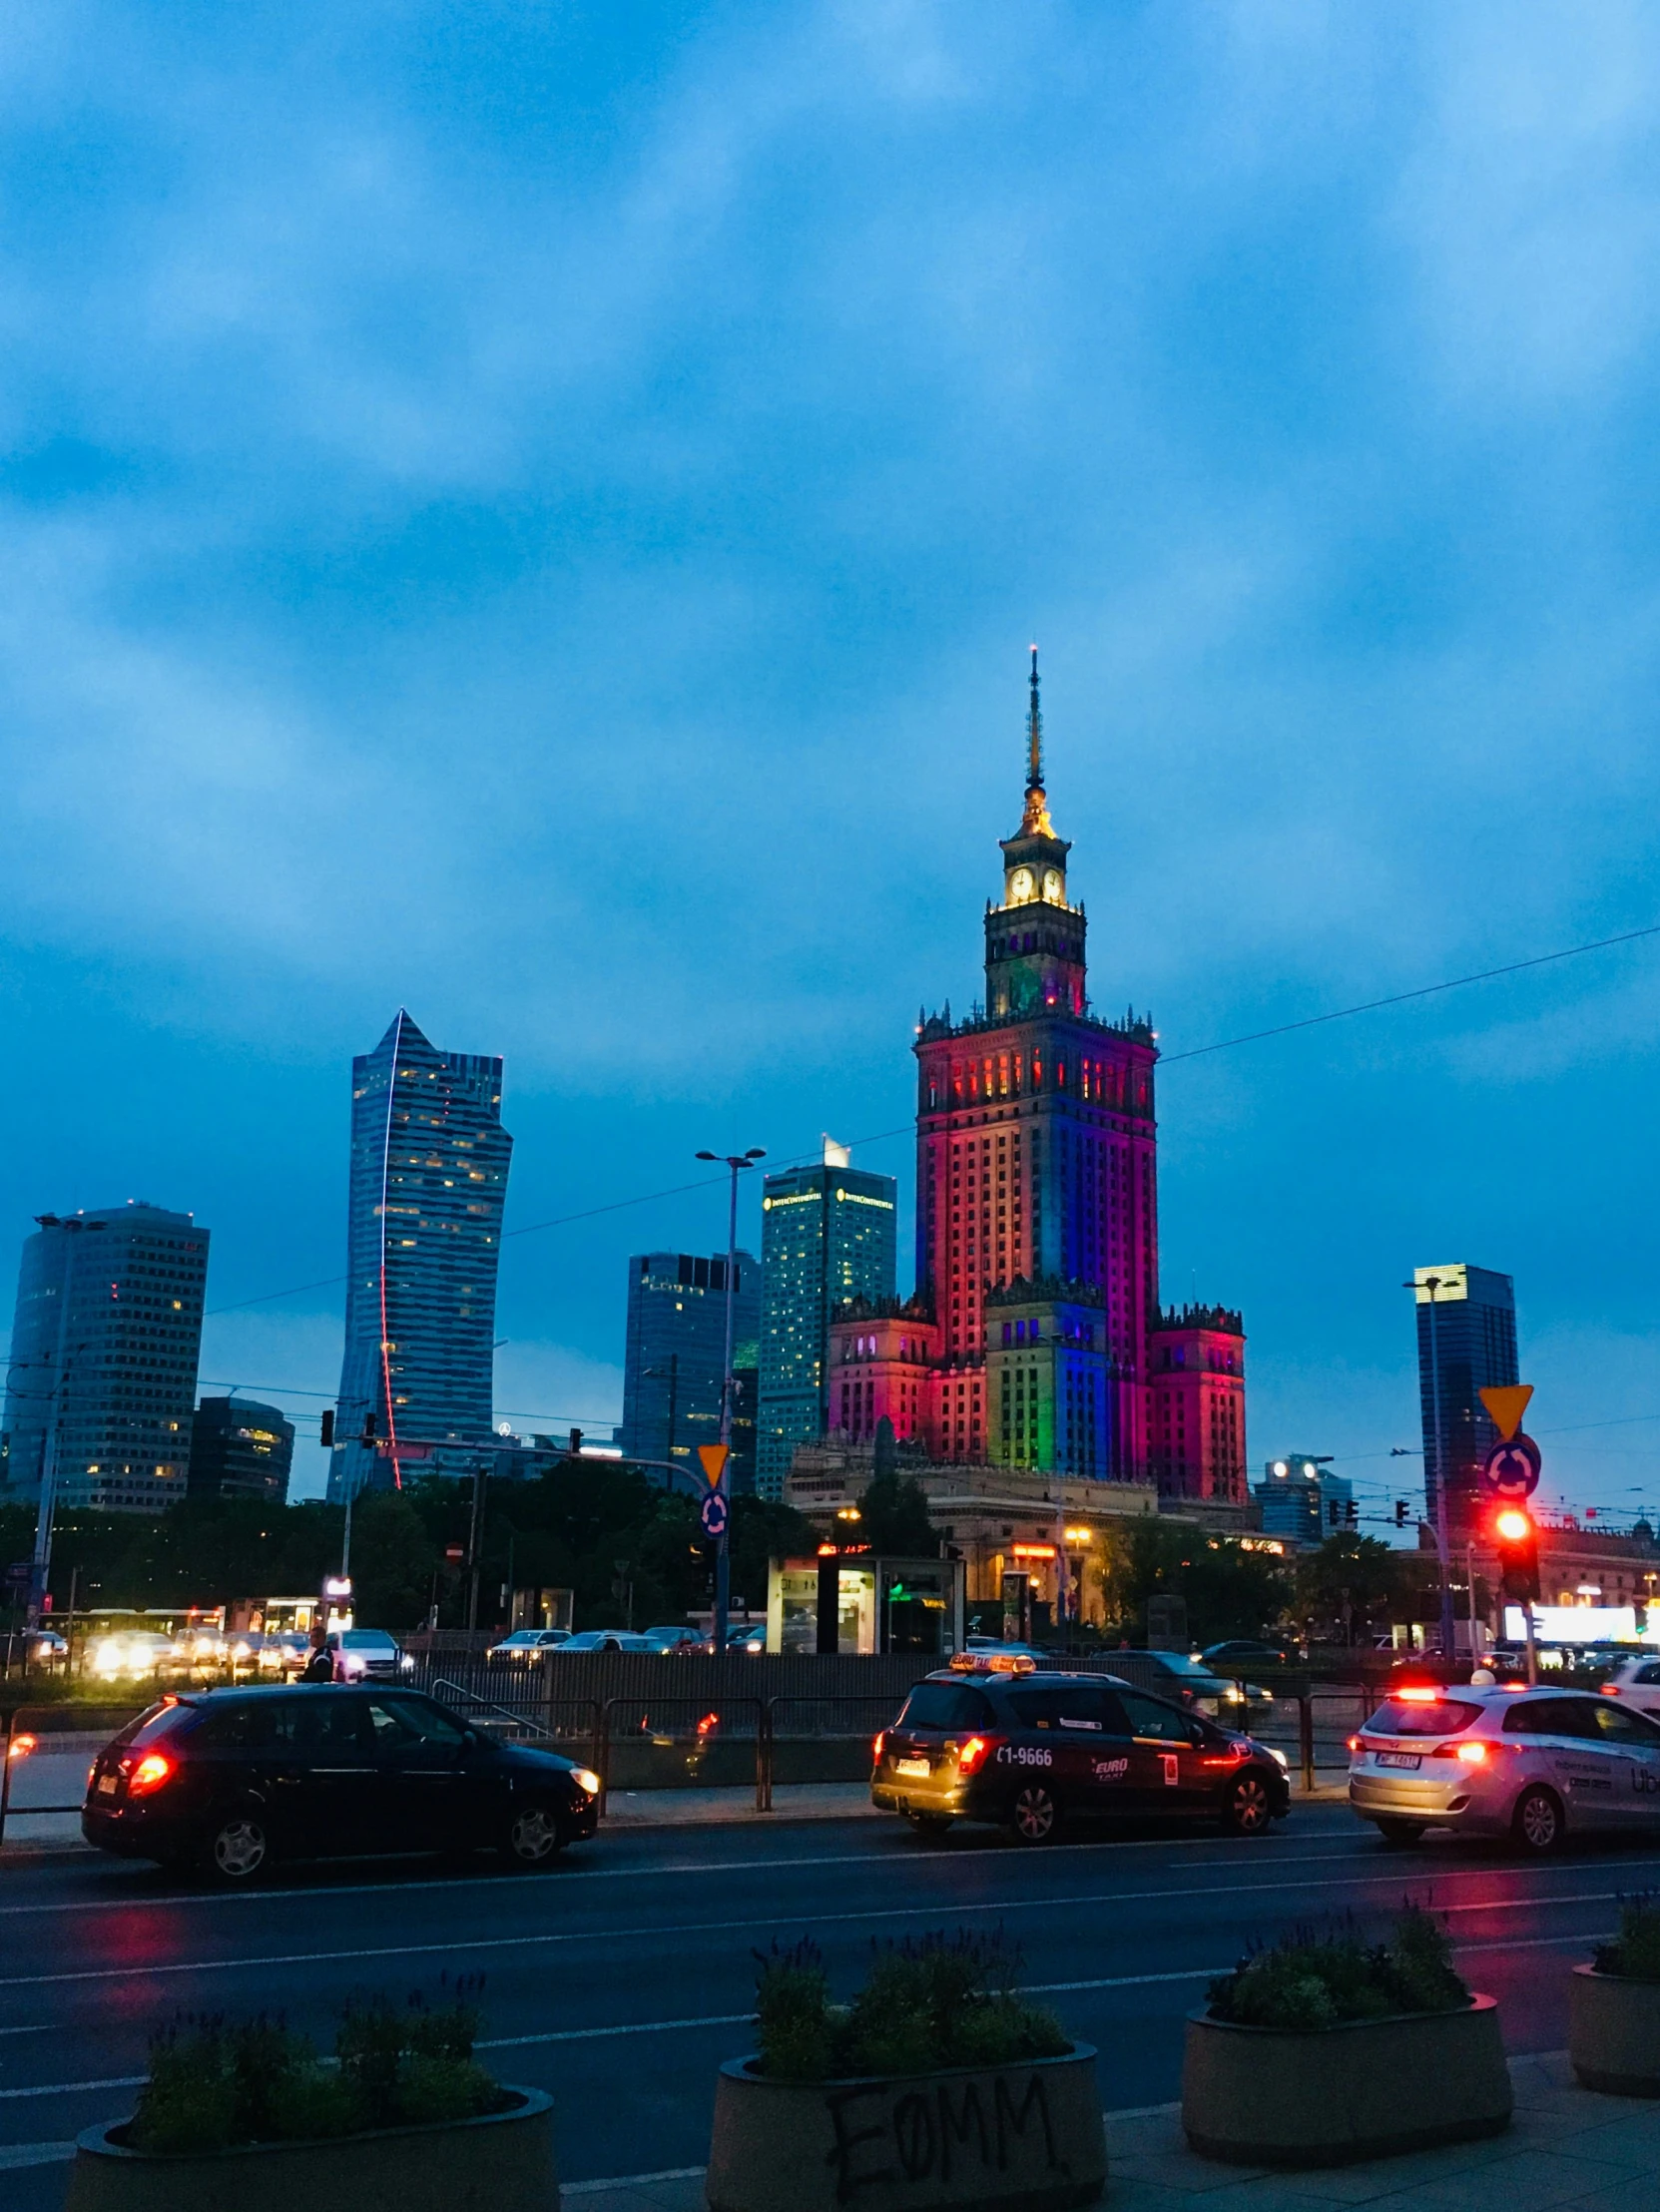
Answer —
1034 941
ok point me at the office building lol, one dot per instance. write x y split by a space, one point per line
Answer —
1302 1501
241 1449
828 1236
1467 1342
428 1180
674 1360
105 1344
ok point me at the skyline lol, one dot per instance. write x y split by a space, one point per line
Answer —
539 520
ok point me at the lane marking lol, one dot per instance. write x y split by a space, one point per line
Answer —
658 1933
901 1858
631 2181
737 2019
14 2155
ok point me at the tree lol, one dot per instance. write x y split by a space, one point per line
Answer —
894 1517
1349 1579
1230 1591
393 1561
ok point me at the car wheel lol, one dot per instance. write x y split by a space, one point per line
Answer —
929 1824
238 1850
534 1839
1248 1811
1539 1825
1034 1814
1401 1835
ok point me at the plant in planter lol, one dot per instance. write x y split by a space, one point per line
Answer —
1326 2048
402 2107
1614 2008
938 2085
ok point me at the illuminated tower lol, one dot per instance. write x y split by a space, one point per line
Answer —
1037 1164
430 1162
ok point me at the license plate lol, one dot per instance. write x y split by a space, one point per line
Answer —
914 1770
106 1785
1400 1758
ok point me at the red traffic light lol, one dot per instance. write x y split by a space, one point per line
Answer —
1512 1525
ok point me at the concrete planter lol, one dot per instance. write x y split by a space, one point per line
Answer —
1021 2139
1614 2033
1265 2096
501 2164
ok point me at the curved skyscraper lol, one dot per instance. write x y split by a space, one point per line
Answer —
430 1162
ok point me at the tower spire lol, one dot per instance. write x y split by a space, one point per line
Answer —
1035 819
1034 737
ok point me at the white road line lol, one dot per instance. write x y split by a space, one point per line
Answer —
630 2181
671 1867
526 1942
738 2019
14 2155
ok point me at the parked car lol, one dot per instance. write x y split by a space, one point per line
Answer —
369 1653
681 1638
1030 1751
1534 1764
230 1782
526 1643
605 1639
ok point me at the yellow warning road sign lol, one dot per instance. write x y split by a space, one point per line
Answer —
715 1457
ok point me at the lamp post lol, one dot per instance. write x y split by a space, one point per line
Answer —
736 1162
1432 1284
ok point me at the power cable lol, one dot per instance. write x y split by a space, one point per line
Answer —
884 1136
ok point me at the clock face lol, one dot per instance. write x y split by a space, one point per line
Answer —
1051 885
1020 886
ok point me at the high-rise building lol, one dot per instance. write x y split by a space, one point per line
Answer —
828 1236
1302 1501
429 1161
241 1449
674 1360
1467 1342
105 1344
1036 1319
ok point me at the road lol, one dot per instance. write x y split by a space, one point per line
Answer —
621 1978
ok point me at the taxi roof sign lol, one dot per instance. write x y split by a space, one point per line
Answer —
994 1662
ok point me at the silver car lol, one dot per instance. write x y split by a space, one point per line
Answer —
1534 1764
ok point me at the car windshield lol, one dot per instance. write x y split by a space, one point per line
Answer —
366 1639
1442 1716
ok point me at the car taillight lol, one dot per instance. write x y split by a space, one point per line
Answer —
150 1772
1610 1689
1472 1754
974 1754
1353 1743
880 1744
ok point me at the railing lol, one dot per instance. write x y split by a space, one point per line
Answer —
39 1723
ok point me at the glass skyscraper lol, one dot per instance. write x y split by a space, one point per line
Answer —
829 1235
1467 1342
105 1344
675 1354
430 1162
241 1449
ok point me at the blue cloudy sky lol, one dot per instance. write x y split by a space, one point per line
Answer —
536 511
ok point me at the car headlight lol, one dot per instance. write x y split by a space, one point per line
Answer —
586 1778
1279 1758
406 1661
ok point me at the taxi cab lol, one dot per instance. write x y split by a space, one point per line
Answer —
992 1739
1533 1765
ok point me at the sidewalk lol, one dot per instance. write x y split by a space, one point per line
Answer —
1568 2151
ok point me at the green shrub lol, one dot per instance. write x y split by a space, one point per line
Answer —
1634 1954
213 2086
1306 1983
943 2002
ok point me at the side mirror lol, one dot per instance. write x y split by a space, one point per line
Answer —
469 1737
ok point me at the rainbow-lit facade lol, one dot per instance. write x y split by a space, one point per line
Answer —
1035 1332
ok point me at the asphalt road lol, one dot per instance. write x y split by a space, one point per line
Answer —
620 1978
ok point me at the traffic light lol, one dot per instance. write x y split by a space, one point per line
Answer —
1351 1513
1516 1539
1401 1505
328 1437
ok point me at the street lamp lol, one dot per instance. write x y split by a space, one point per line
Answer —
1432 1284
736 1163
